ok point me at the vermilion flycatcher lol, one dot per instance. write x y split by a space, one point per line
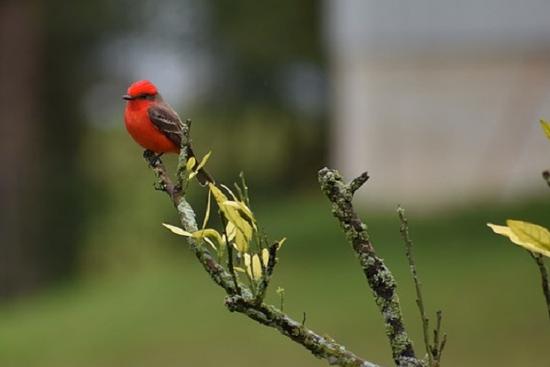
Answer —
153 123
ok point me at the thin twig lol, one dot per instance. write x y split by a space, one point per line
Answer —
539 260
281 292
437 329
267 271
245 189
379 277
441 347
437 347
404 229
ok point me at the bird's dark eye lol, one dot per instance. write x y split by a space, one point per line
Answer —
147 96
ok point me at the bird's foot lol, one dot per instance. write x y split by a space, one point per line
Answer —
151 157
159 186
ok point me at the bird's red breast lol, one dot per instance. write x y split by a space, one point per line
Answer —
141 97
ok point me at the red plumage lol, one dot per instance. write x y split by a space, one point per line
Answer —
153 123
142 97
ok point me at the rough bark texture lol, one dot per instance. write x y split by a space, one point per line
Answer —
379 277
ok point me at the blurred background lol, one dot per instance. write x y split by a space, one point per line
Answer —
438 100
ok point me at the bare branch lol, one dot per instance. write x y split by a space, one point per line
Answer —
358 181
539 260
404 229
437 348
379 277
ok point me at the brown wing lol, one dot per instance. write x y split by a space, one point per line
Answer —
167 121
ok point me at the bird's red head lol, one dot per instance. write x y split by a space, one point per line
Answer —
142 89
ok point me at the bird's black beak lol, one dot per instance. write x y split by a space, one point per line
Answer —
127 97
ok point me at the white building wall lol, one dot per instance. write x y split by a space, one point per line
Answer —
438 122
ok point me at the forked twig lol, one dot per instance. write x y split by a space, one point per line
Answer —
434 350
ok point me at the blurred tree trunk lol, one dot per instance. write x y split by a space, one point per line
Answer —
46 66
19 61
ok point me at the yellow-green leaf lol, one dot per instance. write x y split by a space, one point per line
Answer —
196 169
177 230
545 127
265 257
239 205
230 192
209 232
244 231
253 266
207 214
190 164
236 236
537 237
209 241
218 194
241 242
513 236
204 160
200 234
231 231
233 215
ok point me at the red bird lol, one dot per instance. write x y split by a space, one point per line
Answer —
153 123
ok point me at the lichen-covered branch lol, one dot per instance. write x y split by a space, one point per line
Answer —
319 346
239 297
379 277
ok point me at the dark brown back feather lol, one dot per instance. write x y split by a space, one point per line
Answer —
167 121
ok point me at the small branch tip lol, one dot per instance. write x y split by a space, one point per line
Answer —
357 182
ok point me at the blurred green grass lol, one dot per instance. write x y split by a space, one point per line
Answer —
166 311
